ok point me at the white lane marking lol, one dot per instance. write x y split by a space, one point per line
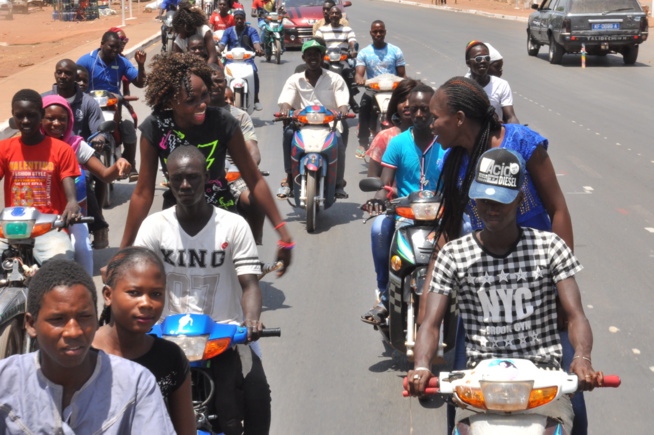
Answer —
613 329
589 307
650 229
635 351
588 188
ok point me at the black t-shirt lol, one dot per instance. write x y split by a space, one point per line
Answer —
211 138
167 363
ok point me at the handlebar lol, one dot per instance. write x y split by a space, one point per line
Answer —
82 220
610 381
271 332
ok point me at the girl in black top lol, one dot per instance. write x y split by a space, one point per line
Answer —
134 297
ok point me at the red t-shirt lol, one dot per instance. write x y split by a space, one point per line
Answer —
236 5
218 22
34 173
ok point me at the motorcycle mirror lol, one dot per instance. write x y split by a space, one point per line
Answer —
107 127
371 184
12 123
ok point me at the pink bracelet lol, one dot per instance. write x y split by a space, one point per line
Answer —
285 245
280 225
389 189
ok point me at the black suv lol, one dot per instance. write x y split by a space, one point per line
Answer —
603 26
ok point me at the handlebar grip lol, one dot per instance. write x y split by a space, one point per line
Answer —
611 381
85 220
351 115
271 332
433 382
428 391
130 98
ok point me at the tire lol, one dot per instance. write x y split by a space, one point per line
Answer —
169 45
278 51
532 47
556 52
630 54
238 99
107 159
11 339
268 51
312 206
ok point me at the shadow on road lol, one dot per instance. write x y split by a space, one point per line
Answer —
272 297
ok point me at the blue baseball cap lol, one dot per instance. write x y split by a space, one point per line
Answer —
238 11
498 176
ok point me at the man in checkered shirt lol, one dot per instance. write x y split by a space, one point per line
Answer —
506 280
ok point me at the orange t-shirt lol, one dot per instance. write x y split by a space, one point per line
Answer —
34 173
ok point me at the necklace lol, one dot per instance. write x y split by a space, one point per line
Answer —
421 157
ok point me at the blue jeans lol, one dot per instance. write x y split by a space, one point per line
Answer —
381 237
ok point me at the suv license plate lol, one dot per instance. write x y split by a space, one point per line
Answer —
606 26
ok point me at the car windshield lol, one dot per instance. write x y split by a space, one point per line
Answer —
300 3
603 6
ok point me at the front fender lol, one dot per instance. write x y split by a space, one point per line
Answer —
13 302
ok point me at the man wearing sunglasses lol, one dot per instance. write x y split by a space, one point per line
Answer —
499 92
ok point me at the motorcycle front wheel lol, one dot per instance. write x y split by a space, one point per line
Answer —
312 206
238 99
108 159
268 51
278 52
11 339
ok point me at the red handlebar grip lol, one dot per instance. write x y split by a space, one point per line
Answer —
130 98
611 381
428 391
351 115
277 114
433 383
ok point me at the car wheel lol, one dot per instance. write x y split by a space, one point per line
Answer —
532 47
630 54
556 52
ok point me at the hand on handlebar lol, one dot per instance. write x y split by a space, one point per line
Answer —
254 329
374 206
417 381
98 143
587 377
124 167
71 213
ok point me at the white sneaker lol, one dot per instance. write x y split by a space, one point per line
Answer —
258 107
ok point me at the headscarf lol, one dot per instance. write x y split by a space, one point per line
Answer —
493 53
68 137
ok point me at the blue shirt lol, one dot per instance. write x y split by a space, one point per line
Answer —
169 5
231 39
410 163
380 61
107 77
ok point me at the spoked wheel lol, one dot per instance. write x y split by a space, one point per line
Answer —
278 51
108 159
312 206
238 99
11 339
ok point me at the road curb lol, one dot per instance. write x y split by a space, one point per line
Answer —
7 132
463 11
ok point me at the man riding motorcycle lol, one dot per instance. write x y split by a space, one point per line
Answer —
261 8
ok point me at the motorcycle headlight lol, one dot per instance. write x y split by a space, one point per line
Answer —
417 281
334 56
506 396
425 211
17 230
193 346
287 23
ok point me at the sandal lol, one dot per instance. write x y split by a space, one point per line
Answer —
340 193
360 152
283 192
376 316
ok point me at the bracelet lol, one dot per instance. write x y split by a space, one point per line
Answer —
285 245
389 189
583 357
421 368
280 225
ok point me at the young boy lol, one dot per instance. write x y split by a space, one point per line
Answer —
66 387
40 173
507 279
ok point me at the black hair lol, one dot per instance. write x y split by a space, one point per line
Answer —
195 37
121 261
188 17
188 151
28 95
55 273
400 94
109 35
82 68
425 89
216 67
377 22
472 44
467 96
66 61
329 2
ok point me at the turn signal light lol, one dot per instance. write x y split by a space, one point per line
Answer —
541 396
405 212
232 176
396 263
215 347
471 396
40 229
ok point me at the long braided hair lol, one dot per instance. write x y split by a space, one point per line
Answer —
119 263
467 96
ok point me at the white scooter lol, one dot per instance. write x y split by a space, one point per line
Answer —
240 77
382 86
505 394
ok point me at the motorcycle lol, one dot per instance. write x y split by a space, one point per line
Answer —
167 32
273 28
411 247
505 395
111 105
202 339
314 157
337 62
382 87
20 226
240 77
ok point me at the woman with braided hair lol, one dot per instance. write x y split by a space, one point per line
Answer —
178 92
190 20
466 126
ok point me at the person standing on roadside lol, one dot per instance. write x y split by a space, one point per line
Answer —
106 69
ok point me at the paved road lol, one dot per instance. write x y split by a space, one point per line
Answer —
329 372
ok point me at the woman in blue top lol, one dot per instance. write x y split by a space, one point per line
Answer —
466 126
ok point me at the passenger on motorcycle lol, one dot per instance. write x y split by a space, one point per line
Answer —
261 8
107 68
494 260
196 46
181 117
314 86
242 35
496 61
40 172
56 123
66 386
326 7
244 201
82 78
211 264
378 58
399 116
411 161
499 92
342 38
134 295
190 20
221 19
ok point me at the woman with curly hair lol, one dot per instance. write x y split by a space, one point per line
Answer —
190 20
178 92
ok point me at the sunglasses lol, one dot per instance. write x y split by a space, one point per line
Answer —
480 59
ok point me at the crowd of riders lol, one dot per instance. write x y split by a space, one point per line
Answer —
437 139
